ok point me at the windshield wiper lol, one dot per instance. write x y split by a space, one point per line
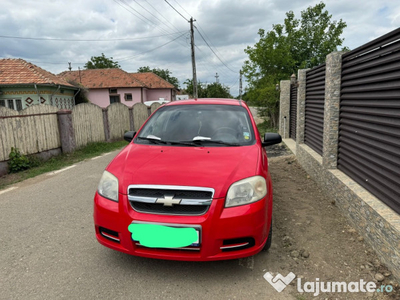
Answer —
209 141
157 140
153 139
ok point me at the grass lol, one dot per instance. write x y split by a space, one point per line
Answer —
61 161
265 127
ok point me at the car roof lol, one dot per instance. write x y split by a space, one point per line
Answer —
219 101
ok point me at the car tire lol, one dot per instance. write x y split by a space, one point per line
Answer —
269 240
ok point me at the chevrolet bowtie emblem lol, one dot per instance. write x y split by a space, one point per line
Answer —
168 200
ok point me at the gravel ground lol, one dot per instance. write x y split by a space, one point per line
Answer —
314 240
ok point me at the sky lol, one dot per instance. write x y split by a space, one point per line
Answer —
156 33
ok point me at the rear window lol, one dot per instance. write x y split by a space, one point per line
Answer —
184 123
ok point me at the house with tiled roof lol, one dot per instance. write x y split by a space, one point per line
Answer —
23 84
107 86
156 88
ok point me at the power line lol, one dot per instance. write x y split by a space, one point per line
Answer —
214 52
176 10
140 16
205 34
182 8
207 65
149 12
135 14
161 14
127 58
200 33
78 40
116 59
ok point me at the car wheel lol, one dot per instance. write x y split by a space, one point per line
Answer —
269 240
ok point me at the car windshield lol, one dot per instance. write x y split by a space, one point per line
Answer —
199 124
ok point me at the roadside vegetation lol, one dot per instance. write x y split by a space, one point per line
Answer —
297 43
266 127
25 167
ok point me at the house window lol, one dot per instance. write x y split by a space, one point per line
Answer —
15 104
114 99
128 97
113 91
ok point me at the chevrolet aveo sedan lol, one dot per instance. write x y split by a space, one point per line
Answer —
193 184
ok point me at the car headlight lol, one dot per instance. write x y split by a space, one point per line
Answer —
246 191
108 186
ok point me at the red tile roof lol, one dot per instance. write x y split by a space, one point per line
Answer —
18 71
102 78
152 80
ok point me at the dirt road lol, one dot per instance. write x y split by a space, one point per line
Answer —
315 241
49 250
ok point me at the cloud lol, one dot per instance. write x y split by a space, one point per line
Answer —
228 26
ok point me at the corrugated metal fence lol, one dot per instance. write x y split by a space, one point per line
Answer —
369 130
314 116
293 111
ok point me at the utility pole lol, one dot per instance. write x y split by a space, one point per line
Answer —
240 85
193 59
216 78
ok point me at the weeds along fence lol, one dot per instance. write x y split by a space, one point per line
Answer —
42 128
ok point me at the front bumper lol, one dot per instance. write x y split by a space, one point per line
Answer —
226 233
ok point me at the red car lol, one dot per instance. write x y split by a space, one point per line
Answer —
193 184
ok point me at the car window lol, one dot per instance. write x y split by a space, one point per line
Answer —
207 123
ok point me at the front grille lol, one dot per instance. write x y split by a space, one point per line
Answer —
170 200
159 193
173 210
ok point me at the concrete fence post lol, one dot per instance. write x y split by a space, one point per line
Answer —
67 135
331 110
106 125
301 106
284 108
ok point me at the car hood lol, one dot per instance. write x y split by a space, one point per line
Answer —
214 167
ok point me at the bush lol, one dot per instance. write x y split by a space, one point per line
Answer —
18 162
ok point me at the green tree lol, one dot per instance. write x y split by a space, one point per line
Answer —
295 44
101 62
163 73
217 90
211 90
201 88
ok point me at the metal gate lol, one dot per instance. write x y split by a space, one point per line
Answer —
369 126
293 111
314 116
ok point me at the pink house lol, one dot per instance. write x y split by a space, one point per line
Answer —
155 87
107 86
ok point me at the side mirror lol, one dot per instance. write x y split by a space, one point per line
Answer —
271 139
129 135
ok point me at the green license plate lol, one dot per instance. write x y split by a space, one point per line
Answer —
162 236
